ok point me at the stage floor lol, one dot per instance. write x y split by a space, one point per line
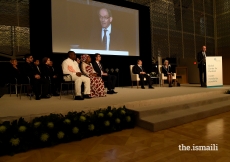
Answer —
13 108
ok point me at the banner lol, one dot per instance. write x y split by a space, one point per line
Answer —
214 72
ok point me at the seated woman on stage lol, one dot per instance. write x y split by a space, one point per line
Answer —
167 71
15 75
14 72
97 88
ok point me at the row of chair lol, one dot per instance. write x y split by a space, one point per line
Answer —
23 85
20 85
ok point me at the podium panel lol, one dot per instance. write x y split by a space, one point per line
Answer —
214 71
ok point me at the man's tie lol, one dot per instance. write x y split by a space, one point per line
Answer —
204 57
141 68
100 66
105 39
38 69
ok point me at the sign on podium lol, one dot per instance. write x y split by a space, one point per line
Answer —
214 71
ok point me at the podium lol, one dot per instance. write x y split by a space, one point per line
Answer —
214 71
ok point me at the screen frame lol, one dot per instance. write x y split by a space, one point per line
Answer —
41 38
41 25
82 36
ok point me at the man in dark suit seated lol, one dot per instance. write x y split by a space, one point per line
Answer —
37 66
36 80
138 69
111 79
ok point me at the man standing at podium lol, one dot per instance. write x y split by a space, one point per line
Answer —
201 60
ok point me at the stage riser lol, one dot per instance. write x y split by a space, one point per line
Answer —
168 120
156 109
176 107
172 99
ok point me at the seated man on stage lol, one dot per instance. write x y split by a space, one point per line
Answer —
167 71
111 79
138 69
70 66
36 80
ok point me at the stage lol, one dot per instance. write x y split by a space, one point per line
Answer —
146 102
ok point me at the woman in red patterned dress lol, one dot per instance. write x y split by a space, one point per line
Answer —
97 88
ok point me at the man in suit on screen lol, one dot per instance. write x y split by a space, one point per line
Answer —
201 59
106 36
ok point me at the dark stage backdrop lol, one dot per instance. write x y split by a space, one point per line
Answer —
41 38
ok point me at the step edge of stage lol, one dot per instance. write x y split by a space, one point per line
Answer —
173 119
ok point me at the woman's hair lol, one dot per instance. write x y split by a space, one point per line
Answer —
44 60
12 60
166 61
138 60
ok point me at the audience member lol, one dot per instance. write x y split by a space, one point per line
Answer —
70 66
111 79
96 83
138 69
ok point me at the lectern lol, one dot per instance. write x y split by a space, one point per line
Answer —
214 71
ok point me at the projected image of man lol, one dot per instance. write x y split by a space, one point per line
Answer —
106 37
106 18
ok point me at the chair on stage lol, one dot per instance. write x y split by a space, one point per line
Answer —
14 82
71 83
24 85
163 78
134 77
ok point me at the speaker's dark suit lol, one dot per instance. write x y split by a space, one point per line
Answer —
201 60
136 70
111 79
31 70
116 40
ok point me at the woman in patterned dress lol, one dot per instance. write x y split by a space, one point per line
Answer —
97 88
